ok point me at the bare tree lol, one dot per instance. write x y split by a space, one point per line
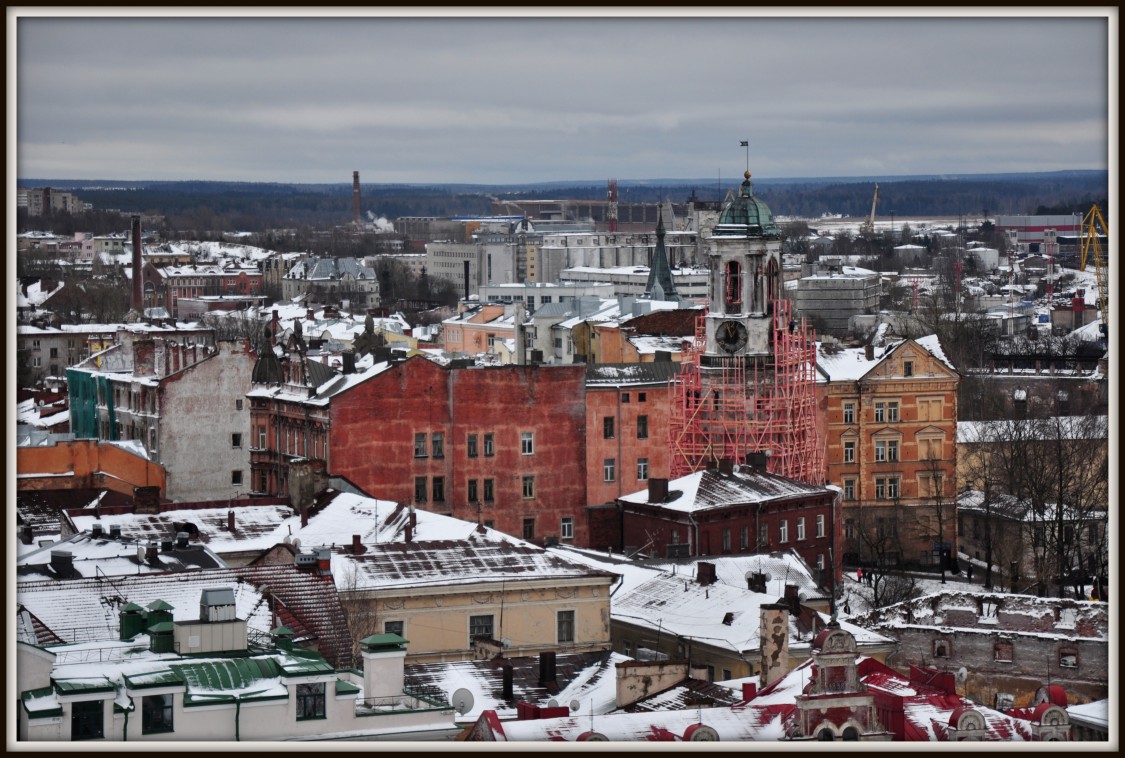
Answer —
239 325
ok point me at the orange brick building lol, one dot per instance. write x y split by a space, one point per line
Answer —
626 427
891 448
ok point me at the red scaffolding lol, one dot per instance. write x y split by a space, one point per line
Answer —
727 408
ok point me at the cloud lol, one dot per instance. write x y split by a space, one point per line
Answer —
529 99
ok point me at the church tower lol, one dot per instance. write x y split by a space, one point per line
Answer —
745 277
746 388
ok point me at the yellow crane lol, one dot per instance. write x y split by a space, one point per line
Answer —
1092 243
868 225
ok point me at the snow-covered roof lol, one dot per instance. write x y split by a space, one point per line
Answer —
35 295
1056 427
851 363
703 490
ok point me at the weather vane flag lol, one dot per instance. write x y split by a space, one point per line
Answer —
746 144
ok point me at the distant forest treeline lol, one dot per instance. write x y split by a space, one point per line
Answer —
245 206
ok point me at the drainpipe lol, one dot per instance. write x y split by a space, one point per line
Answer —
237 715
125 729
695 527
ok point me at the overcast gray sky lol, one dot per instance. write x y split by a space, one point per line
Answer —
505 100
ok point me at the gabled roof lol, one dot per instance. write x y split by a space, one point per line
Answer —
450 562
679 322
703 490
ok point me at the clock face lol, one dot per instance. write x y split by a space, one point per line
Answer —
731 336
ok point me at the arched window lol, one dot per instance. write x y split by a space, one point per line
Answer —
851 733
733 287
773 284
825 735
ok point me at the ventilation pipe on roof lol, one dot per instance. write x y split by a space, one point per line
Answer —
506 692
230 521
357 546
547 667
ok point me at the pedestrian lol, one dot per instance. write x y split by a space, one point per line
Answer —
867 578
970 572
859 574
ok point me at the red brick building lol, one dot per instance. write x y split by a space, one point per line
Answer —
732 510
504 444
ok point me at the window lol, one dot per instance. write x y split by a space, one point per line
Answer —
236 478
763 535
488 494
642 427
783 531
886 488
931 485
609 469
419 489
886 411
438 487
801 528
1068 658
566 528
930 448
565 626
744 538
420 445
37 361
849 529
472 491
394 627
849 413
886 528
529 486
310 700
642 469
929 408
529 528
527 443
642 397
439 445
471 446
607 427
86 720
820 562
820 525
1002 652
489 446
849 451
261 437
726 540
236 440
624 397
886 450
238 405
941 648
156 714
849 489
908 368
35 344
54 352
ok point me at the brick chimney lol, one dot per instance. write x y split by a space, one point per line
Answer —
774 644
705 573
726 466
230 521
357 546
657 490
146 499
547 667
507 690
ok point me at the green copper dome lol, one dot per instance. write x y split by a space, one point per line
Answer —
746 216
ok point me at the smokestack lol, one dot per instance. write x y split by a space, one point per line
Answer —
355 198
466 280
657 489
348 357
138 298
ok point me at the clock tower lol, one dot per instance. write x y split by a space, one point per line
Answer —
745 278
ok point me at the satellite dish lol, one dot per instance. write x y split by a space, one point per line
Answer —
505 642
552 703
462 701
592 737
296 542
574 706
962 674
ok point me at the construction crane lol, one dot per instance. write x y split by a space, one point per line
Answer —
868 226
1091 242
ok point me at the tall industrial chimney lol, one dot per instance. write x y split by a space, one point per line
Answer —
355 198
137 301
